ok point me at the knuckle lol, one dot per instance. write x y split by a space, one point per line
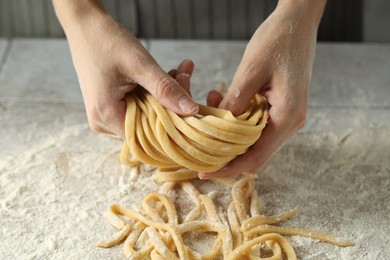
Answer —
94 126
93 120
102 118
234 107
165 87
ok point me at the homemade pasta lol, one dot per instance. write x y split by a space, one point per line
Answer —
239 236
183 146
180 147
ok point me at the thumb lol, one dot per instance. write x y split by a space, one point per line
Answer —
247 81
168 91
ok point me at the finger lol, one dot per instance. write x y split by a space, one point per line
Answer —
214 98
186 66
146 72
173 73
106 110
184 80
168 91
183 73
247 81
185 70
272 138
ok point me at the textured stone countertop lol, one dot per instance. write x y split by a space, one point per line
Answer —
57 177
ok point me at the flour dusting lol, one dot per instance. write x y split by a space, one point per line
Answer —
57 178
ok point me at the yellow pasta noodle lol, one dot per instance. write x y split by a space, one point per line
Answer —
236 239
180 147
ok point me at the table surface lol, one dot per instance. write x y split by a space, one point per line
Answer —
57 177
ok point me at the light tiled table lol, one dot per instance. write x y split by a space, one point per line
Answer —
3 46
39 69
336 169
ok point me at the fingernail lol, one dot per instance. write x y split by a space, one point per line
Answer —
182 76
188 106
203 176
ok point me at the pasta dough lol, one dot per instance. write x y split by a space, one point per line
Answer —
180 147
239 236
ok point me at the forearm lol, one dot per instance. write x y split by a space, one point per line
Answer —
73 14
306 11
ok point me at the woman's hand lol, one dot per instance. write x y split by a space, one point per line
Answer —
110 62
277 63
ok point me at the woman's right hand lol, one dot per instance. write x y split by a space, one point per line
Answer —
110 62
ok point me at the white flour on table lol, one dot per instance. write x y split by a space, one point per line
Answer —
57 178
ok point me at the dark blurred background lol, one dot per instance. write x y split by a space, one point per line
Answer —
343 21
